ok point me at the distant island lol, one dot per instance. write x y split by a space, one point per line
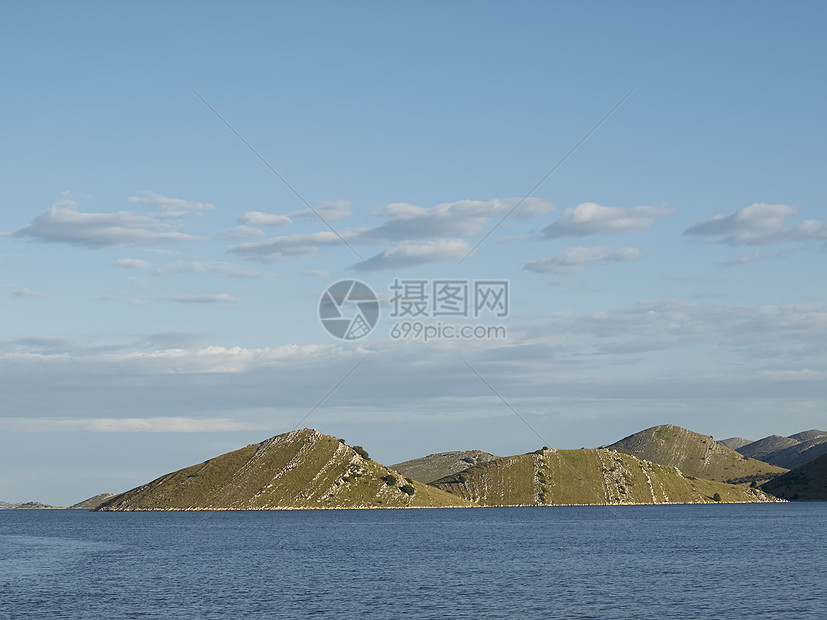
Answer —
305 469
27 506
87 504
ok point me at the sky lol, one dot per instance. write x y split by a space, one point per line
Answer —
182 182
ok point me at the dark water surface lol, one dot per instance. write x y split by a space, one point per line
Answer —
713 561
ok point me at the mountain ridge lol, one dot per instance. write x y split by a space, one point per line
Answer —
788 452
599 476
305 469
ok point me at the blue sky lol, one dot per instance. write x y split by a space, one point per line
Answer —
160 285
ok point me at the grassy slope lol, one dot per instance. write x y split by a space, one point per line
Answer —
93 502
558 477
692 453
302 469
436 466
808 482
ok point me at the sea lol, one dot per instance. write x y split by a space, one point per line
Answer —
687 561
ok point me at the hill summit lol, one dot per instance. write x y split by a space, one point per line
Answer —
300 469
694 454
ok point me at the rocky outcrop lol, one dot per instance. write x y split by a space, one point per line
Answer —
436 466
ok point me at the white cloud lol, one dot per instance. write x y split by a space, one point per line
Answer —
574 260
216 267
317 273
63 223
201 299
754 330
171 207
289 246
258 218
742 260
25 292
410 229
123 425
411 253
758 224
133 263
447 220
589 218
330 211
241 232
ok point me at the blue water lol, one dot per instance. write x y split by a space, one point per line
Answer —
713 561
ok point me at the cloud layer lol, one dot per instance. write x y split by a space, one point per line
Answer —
758 224
64 223
589 218
414 235
258 218
410 253
574 260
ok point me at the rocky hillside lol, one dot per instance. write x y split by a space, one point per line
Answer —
805 483
602 476
694 454
809 435
733 443
789 452
766 447
436 466
301 469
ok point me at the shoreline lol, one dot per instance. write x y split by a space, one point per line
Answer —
322 508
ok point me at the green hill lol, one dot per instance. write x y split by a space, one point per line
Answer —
301 469
436 466
602 476
93 502
805 483
694 454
